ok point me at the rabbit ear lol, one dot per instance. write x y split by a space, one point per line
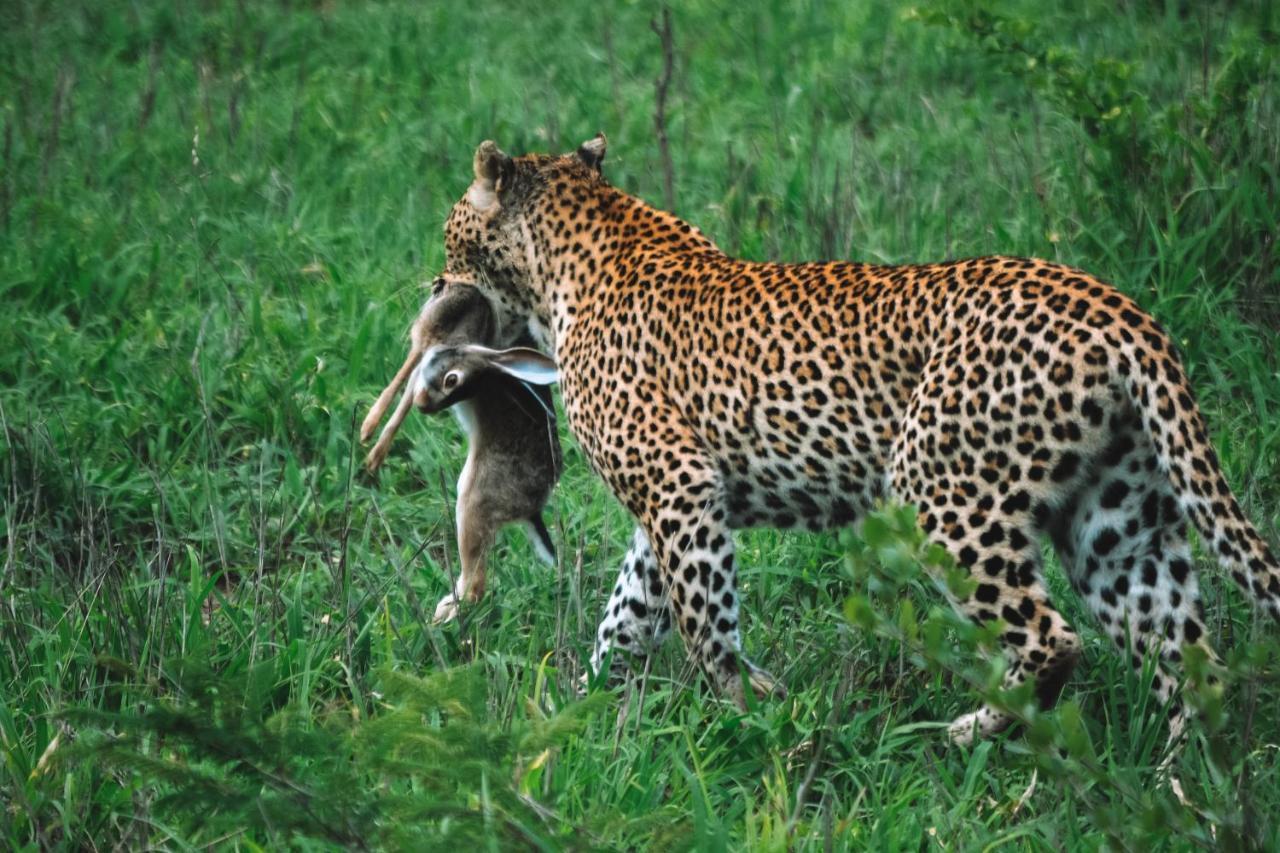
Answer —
527 365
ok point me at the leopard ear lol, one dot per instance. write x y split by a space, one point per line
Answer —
592 151
494 171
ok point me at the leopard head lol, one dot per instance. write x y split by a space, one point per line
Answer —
490 235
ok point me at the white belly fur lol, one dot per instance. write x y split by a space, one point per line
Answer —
466 416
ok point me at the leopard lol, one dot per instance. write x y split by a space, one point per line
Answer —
1012 401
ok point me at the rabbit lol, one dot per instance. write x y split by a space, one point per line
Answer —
501 400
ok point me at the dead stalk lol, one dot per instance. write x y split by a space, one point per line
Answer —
661 85
148 103
60 93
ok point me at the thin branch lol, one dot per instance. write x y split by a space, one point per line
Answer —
660 87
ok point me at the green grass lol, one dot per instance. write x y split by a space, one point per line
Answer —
213 222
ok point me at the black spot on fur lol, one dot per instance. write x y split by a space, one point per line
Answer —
1105 542
1066 467
1115 494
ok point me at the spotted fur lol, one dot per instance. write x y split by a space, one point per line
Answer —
1009 399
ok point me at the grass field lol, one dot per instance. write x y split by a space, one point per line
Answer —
214 219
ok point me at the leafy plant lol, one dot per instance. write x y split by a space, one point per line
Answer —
891 563
1151 158
429 768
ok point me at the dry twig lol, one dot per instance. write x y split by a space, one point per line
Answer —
660 86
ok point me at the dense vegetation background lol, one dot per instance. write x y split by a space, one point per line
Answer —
214 218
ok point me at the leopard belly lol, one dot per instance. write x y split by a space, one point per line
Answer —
812 489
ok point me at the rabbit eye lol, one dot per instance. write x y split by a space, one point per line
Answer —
451 380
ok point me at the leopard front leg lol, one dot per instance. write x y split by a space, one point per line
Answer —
685 520
637 618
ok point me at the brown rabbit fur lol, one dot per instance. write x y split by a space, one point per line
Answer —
513 457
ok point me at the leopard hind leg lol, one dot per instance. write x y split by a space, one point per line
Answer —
1123 541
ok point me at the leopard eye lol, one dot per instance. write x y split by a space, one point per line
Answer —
451 380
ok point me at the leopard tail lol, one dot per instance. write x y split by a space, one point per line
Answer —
1161 394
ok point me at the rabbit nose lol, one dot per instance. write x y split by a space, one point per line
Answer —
421 399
